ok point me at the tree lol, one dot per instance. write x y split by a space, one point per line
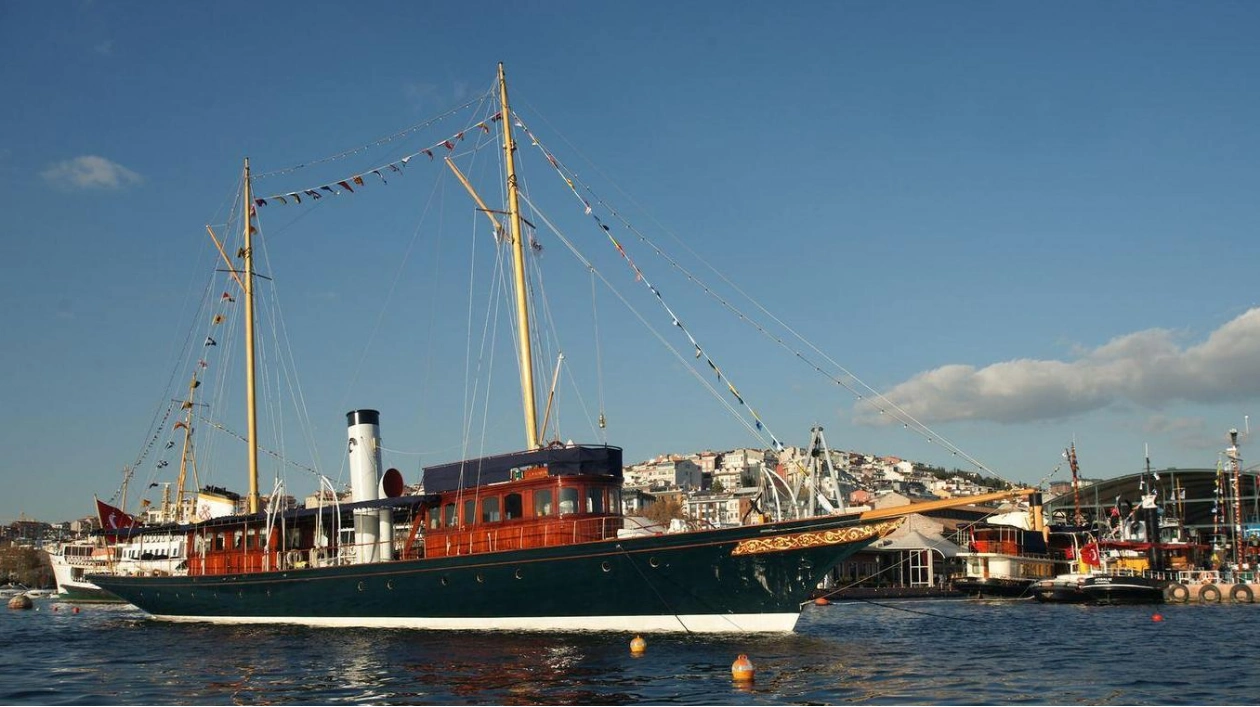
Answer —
664 510
716 486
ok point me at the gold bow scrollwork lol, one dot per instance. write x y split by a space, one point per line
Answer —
798 541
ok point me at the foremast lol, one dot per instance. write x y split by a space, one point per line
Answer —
518 261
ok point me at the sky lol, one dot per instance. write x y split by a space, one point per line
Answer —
1026 225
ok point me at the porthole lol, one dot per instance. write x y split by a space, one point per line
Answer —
605 566
360 587
654 562
480 578
443 581
519 575
389 584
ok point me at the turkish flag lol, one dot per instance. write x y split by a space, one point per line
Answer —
114 518
1090 556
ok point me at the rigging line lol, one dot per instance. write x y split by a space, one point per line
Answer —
902 416
223 428
376 143
314 193
389 295
599 355
661 338
677 321
655 591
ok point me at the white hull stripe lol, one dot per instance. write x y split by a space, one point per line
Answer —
697 623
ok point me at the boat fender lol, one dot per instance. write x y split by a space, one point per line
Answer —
1241 594
1209 594
1177 593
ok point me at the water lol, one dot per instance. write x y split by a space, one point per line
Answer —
919 652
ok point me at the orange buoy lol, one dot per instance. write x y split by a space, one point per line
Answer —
638 646
821 601
1157 617
742 669
76 609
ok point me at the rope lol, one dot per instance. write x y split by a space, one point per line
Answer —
648 582
901 414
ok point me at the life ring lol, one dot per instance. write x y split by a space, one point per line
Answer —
1210 594
293 558
1241 594
1177 593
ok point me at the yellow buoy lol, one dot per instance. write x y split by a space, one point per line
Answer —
742 669
638 646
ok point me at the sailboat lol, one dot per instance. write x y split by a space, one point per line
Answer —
533 539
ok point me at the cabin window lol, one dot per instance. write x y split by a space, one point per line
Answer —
237 537
595 499
251 539
542 503
448 515
219 541
490 510
470 511
435 518
512 506
614 500
568 500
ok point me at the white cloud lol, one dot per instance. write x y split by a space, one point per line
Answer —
89 172
1148 368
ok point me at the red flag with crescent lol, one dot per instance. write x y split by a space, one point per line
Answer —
114 518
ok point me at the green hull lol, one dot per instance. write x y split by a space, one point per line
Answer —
695 581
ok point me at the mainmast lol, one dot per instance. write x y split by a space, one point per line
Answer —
250 398
518 259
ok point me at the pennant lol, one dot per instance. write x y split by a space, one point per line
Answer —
496 117
180 424
395 167
697 351
377 172
358 180
218 319
552 160
484 127
345 185
203 363
311 193
227 297
279 199
211 342
329 189
460 136
448 144
428 152
758 424
162 464
260 202
295 197
170 444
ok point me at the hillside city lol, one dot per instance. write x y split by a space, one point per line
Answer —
710 488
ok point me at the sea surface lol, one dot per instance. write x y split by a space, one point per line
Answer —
890 652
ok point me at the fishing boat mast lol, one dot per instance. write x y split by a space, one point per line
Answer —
248 285
518 262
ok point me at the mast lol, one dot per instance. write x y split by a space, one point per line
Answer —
1236 501
518 260
250 397
1077 518
183 458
